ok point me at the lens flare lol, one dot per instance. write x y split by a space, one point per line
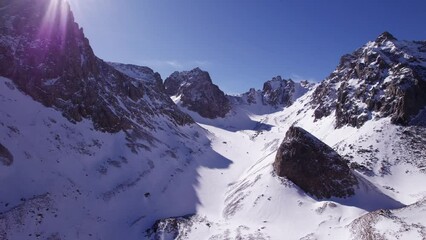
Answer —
55 21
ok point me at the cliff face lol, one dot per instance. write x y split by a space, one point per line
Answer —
384 78
198 93
283 92
47 55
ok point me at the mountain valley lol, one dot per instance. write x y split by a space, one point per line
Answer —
91 149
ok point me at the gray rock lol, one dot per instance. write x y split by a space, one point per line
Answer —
5 156
198 93
278 91
313 166
385 78
58 68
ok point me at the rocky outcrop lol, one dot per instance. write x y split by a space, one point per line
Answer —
48 57
168 228
176 227
276 92
141 73
6 158
386 224
384 78
196 91
313 166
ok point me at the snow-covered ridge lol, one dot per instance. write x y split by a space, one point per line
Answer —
277 92
145 74
384 78
259 205
66 175
386 158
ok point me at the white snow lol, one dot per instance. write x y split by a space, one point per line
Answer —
254 202
220 170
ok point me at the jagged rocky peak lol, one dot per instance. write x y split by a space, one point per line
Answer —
251 96
142 73
195 90
277 92
40 40
48 57
385 36
313 166
178 80
384 78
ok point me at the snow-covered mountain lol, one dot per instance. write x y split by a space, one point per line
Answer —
384 78
96 150
387 159
277 92
87 152
195 91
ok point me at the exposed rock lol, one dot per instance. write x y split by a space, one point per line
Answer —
169 228
277 92
142 73
385 36
384 78
17 219
313 166
251 96
386 224
198 93
48 57
176 227
5 156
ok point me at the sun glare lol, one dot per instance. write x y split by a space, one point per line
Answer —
55 17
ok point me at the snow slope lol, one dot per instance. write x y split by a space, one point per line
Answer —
70 181
110 156
248 201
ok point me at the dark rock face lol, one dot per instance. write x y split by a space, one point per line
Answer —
5 156
278 91
385 78
198 93
251 96
313 166
48 57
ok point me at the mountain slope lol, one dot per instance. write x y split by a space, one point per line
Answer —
48 57
87 152
384 78
256 204
95 150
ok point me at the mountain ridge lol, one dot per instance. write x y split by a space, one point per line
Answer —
94 149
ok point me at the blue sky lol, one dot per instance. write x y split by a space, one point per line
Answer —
243 43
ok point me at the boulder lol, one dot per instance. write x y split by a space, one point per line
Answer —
313 166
